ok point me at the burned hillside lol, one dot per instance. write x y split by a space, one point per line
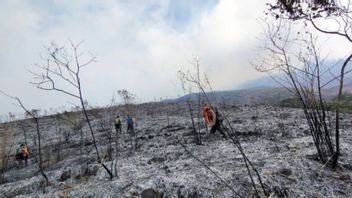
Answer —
276 140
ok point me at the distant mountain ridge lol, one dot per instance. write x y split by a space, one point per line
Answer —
330 69
267 95
249 96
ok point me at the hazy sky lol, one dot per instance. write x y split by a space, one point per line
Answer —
140 45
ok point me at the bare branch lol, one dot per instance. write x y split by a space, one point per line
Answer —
330 32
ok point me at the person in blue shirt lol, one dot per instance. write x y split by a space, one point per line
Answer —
130 123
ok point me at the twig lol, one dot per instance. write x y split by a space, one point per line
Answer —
321 169
126 186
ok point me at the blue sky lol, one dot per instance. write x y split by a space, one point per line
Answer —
140 45
181 13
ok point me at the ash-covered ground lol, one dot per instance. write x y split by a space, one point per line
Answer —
276 140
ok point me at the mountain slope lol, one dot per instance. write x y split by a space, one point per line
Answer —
285 158
268 95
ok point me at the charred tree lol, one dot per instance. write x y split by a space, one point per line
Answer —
36 121
302 73
188 92
314 13
63 67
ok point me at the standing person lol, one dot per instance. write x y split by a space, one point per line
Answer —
213 119
130 123
208 115
118 124
217 123
24 153
130 128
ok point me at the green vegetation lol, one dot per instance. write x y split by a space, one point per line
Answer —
293 102
345 106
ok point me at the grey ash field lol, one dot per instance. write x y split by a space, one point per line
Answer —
276 140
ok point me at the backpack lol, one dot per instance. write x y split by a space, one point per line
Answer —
118 121
212 117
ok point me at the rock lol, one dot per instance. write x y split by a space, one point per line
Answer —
65 175
313 157
182 192
166 168
156 160
286 171
93 170
89 171
280 191
237 121
347 166
193 194
343 177
151 193
142 138
88 196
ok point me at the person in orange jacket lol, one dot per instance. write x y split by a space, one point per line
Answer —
213 119
23 153
208 115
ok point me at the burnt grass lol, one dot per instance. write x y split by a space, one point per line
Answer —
276 140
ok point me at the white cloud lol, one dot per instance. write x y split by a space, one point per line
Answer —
225 38
137 47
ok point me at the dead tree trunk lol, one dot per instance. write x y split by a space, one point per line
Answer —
183 77
62 67
302 76
337 120
196 139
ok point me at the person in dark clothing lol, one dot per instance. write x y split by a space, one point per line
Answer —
130 129
217 126
130 123
118 124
